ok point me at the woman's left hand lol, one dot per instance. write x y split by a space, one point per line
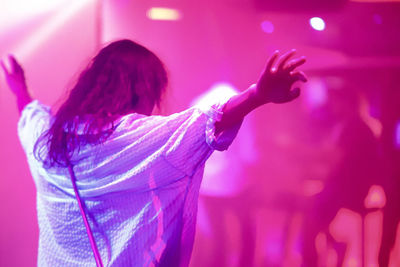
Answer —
275 83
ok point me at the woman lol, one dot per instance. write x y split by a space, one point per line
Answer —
138 175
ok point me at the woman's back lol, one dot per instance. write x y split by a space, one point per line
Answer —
140 189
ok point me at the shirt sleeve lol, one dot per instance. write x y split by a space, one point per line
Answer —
193 141
33 122
167 148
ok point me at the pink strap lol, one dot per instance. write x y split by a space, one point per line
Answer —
96 253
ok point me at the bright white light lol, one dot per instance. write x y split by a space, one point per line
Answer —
34 40
163 13
267 26
220 91
14 11
37 6
317 23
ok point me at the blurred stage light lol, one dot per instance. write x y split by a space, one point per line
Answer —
224 173
34 40
13 12
376 198
27 8
397 141
267 26
221 91
375 1
377 19
35 7
317 23
163 13
373 123
312 187
315 93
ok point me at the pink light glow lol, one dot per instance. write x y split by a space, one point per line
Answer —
377 19
321 243
37 30
376 197
374 124
346 227
219 90
397 135
224 174
267 26
315 93
312 187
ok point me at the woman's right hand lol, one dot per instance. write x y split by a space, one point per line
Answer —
15 76
16 82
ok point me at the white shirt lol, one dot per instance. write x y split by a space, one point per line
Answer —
140 188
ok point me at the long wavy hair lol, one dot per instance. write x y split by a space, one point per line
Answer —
120 76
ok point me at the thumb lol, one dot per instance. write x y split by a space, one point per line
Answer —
3 66
293 94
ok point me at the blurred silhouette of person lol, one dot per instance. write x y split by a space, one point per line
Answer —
391 211
356 169
391 148
225 199
136 177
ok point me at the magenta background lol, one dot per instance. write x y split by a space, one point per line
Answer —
215 41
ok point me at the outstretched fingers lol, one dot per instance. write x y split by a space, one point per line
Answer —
293 64
284 58
15 66
298 76
271 61
3 66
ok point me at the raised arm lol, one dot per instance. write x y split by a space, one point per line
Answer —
274 86
16 82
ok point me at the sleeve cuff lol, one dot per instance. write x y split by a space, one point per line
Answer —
224 139
32 122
